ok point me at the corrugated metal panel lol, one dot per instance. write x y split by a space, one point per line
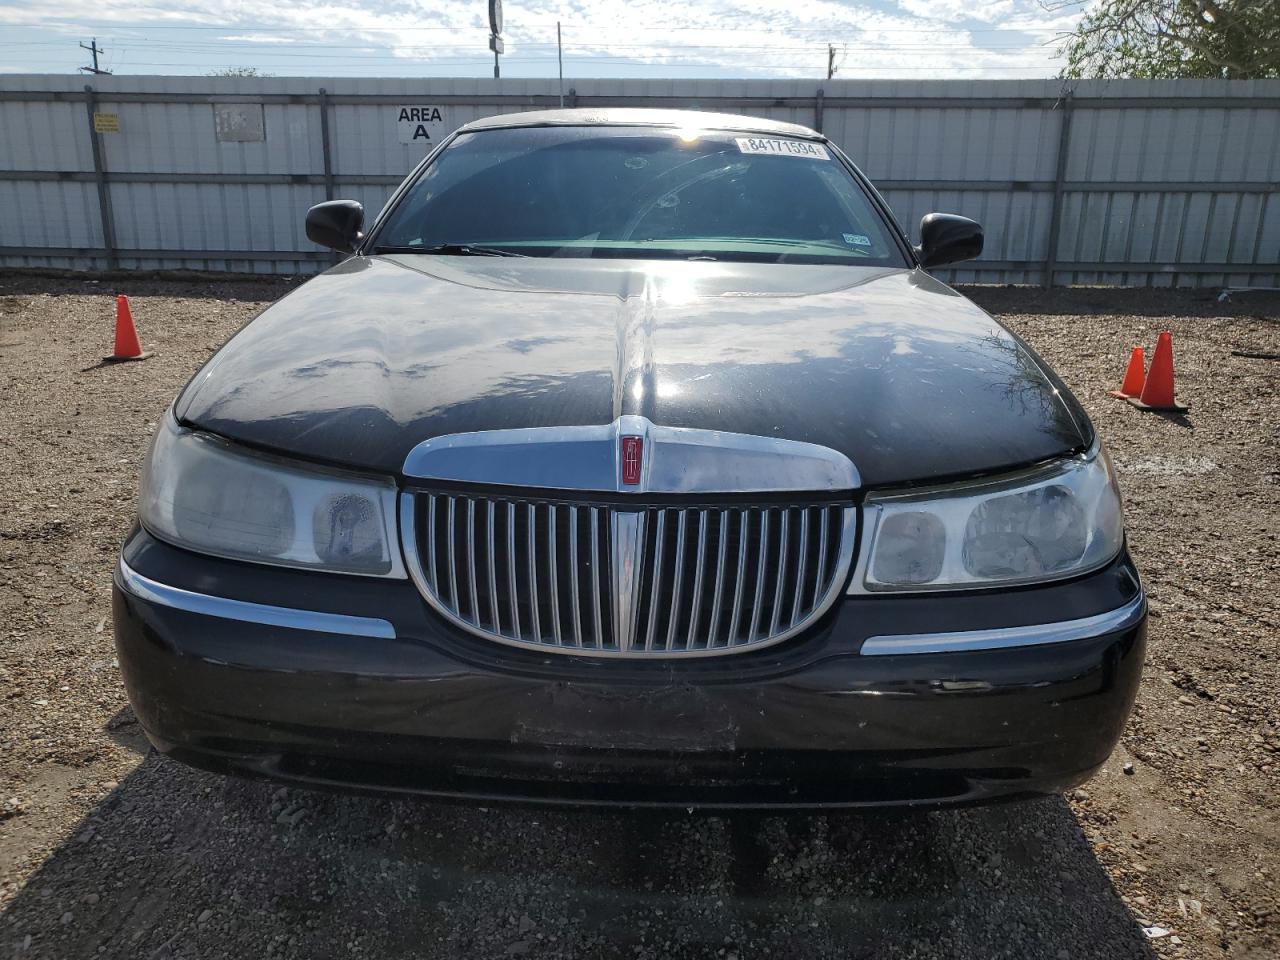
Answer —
1177 153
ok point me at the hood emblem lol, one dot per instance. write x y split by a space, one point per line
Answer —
632 454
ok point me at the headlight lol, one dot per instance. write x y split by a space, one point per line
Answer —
204 494
1053 522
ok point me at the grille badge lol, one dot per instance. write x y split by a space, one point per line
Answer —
632 454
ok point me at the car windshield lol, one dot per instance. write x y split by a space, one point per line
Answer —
600 191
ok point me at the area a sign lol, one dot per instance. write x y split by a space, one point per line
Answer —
420 123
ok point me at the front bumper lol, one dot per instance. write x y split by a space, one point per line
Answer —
370 690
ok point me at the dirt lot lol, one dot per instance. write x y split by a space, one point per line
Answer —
107 850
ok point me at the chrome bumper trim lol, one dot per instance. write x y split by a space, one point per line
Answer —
225 608
1001 638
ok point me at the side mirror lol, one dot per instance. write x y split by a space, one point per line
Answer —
336 224
946 238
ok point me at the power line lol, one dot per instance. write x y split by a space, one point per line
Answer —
273 47
588 27
888 70
584 52
593 51
657 58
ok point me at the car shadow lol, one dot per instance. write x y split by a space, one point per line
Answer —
179 863
124 730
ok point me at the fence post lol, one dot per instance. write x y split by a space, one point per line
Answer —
100 177
1055 217
324 144
817 109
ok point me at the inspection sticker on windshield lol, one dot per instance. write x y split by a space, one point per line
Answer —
783 148
857 239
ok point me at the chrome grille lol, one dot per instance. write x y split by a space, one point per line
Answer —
702 580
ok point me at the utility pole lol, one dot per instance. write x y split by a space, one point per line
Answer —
831 60
560 62
95 50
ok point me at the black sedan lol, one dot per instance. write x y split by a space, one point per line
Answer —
633 457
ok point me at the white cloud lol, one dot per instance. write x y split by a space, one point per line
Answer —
957 10
260 38
904 38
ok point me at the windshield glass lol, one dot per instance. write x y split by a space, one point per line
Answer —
639 192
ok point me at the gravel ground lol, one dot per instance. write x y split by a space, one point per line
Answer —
108 850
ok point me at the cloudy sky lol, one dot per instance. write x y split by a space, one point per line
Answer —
922 39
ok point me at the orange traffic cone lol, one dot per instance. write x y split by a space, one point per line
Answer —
1134 377
1157 392
127 345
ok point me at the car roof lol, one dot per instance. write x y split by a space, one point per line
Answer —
641 117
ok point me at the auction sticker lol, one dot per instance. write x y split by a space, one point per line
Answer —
783 148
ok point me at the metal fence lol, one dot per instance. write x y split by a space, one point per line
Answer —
1120 182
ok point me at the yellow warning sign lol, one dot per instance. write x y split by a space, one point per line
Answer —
106 123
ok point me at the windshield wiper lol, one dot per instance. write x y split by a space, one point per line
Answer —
450 250
786 242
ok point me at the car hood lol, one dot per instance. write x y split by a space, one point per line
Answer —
904 376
